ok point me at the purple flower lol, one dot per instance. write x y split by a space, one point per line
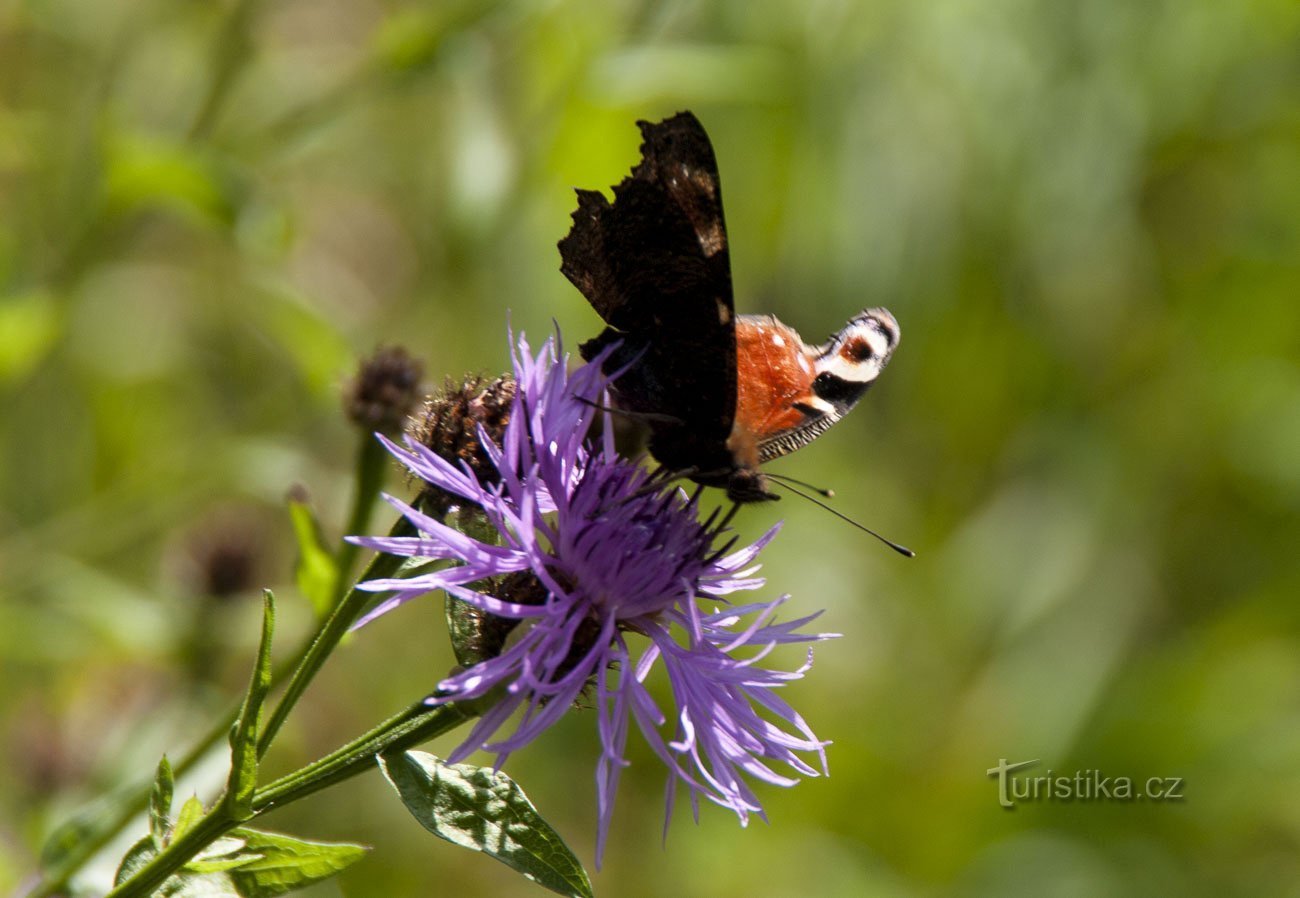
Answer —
614 555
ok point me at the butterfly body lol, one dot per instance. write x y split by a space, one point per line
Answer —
721 393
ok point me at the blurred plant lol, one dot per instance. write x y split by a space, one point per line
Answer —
563 551
385 391
224 559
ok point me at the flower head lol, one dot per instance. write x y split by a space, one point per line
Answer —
451 424
606 566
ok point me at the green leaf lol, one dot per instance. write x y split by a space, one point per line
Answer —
71 833
30 326
191 813
160 802
315 570
409 40
194 885
137 856
247 863
243 739
147 172
485 810
224 854
184 885
278 864
180 885
219 865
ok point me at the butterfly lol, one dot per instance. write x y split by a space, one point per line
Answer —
721 393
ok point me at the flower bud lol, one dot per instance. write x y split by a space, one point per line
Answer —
449 424
385 391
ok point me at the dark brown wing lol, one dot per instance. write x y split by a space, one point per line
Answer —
654 265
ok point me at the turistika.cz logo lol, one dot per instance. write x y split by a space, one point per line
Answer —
1079 786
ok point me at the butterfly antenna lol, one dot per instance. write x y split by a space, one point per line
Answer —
782 478
901 550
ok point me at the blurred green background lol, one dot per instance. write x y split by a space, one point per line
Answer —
1086 217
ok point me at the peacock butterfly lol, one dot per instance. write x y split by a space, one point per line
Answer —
721 393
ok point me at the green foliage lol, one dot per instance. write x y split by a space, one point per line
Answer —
135 858
247 730
1083 216
160 803
262 865
73 832
190 814
29 328
484 810
144 173
247 863
315 572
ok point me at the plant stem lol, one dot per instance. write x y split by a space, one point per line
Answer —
215 824
371 463
233 49
369 477
418 723
91 841
343 616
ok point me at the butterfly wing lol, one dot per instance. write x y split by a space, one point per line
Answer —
654 265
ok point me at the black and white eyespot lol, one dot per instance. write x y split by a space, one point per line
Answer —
859 350
856 355
842 369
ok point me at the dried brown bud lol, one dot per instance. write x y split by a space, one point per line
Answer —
385 391
449 422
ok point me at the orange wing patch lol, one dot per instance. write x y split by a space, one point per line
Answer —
772 372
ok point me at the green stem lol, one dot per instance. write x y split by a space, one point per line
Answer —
372 461
233 49
415 725
370 467
341 619
215 824
91 841
103 831
308 659
418 723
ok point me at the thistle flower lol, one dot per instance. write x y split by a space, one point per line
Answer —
598 554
